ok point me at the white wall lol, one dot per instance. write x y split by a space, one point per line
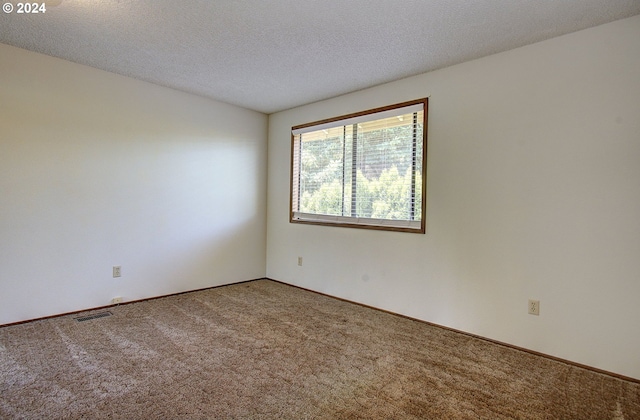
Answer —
533 192
98 170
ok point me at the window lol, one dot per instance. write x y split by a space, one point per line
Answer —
364 170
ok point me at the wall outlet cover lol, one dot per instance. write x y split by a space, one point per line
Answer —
534 307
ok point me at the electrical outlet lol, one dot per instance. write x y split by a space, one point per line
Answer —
116 300
300 261
117 271
534 307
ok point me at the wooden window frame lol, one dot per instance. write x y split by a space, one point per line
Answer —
362 223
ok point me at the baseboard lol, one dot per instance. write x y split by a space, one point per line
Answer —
490 340
96 308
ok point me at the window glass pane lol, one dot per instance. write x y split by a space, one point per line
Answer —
321 171
388 174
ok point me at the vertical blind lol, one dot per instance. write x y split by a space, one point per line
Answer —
365 169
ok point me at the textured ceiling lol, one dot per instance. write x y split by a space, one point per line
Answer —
270 55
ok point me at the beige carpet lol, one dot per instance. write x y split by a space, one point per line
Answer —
264 350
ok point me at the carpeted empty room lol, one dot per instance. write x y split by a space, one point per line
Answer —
316 209
266 350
